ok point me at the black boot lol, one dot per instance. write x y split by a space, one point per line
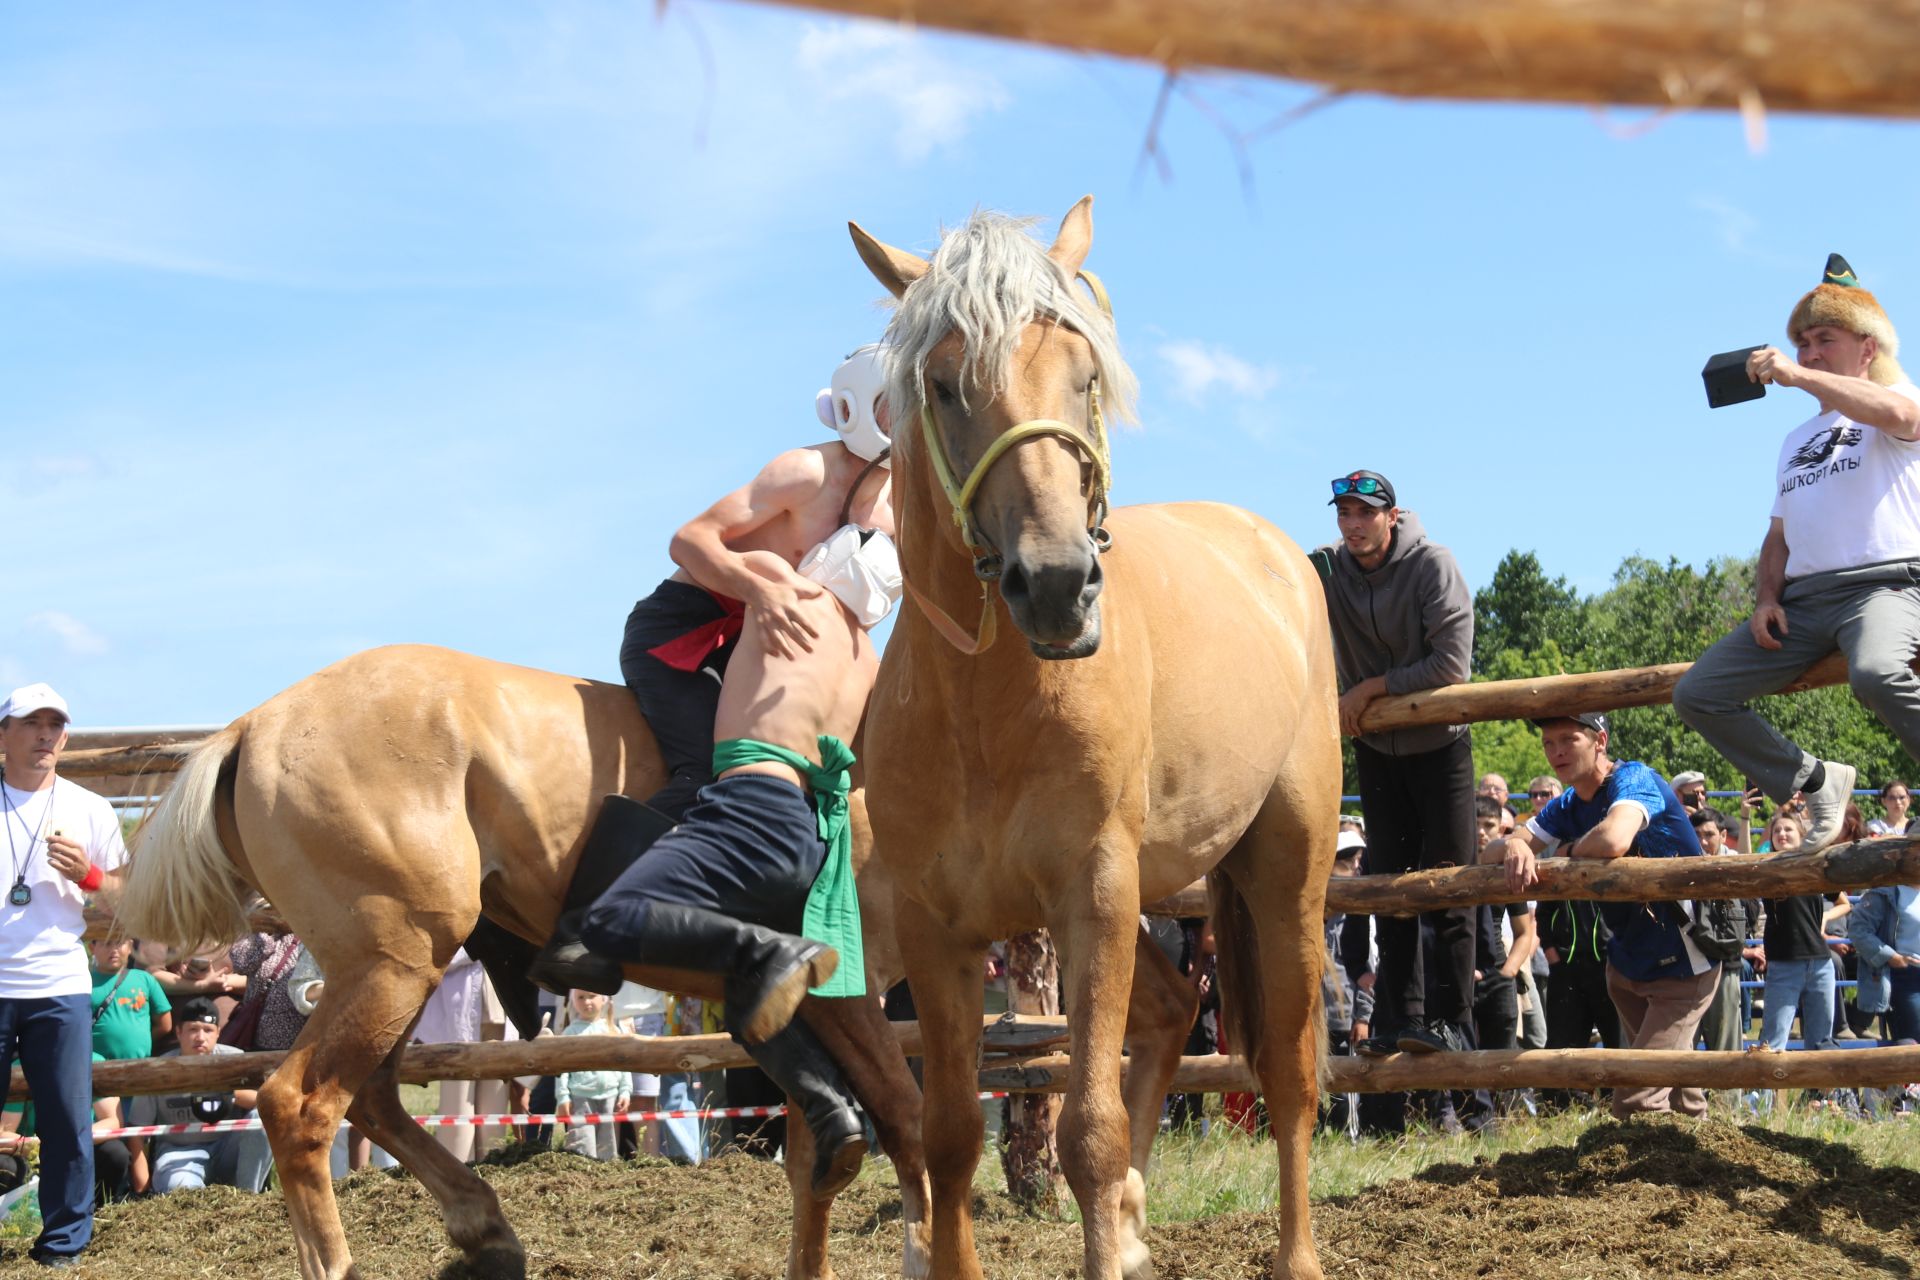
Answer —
799 1064
622 831
767 973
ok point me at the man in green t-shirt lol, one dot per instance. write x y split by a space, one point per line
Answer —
129 1008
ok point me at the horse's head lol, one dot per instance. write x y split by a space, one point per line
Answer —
999 369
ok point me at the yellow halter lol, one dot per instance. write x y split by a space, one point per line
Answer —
960 494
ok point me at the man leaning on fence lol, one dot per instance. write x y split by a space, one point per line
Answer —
1659 980
62 843
1402 621
1840 566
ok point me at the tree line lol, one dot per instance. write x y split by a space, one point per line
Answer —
1527 624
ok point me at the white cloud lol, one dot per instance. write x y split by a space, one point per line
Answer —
78 638
1734 226
934 101
1198 368
52 467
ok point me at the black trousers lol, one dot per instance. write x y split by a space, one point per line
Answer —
679 705
1578 1005
1496 1020
1419 812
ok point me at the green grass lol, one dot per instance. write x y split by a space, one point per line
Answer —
1226 1170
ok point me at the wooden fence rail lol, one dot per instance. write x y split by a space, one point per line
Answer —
1859 865
1792 55
1028 1065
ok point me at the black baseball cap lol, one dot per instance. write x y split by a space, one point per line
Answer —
198 1009
1370 487
1594 720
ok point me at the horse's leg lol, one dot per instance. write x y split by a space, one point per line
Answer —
807 1253
947 973
468 1205
1097 941
1160 1014
355 1033
858 1035
1279 871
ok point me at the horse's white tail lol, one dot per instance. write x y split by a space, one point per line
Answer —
181 886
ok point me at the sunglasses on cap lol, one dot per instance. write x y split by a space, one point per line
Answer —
1365 485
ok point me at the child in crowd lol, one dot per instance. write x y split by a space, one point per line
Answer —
591 1092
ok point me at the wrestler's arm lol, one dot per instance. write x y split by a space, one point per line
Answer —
703 547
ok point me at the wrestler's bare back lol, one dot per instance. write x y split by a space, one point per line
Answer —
791 700
808 486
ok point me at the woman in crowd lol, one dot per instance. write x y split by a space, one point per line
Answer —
1796 963
1896 797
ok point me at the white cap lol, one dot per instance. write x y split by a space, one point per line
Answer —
1349 840
29 698
1688 778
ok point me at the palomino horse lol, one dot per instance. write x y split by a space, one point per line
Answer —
1179 722
382 805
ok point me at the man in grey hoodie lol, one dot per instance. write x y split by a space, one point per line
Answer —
1402 621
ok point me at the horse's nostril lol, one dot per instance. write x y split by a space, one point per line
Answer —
1013 584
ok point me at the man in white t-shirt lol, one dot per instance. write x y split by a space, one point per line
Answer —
1840 566
62 843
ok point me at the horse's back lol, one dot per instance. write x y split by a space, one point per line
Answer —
438 765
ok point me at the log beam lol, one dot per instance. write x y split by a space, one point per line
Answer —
499 1060
1789 55
1863 864
1557 695
1584 1069
1048 1072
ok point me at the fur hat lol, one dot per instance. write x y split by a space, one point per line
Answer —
1838 300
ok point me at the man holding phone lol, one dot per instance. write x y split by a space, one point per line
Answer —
62 843
1841 562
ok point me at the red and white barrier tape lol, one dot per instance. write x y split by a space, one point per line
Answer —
443 1122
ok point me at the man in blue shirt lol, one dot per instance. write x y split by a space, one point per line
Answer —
1658 979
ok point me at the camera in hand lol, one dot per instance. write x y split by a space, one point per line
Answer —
1727 381
209 1107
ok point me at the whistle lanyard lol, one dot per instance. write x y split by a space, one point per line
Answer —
20 895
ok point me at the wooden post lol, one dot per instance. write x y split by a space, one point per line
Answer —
1029 1153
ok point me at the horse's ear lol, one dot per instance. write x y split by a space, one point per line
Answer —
1075 238
894 268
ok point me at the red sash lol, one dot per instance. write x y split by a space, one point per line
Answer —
690 652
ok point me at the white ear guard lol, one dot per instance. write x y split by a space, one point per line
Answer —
857 385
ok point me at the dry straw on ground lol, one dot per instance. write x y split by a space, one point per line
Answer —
1644 1201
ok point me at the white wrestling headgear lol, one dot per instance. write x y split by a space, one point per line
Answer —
862 569
848 405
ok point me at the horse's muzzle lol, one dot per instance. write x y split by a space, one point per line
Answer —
1056 604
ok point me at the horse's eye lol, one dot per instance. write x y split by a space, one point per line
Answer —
942 392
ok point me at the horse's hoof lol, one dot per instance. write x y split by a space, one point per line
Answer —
495 1262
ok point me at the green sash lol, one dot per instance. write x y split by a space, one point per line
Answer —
833 905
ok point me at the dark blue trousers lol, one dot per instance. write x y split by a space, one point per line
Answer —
53 1037
750 849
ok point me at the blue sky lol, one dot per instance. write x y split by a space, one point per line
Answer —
328 327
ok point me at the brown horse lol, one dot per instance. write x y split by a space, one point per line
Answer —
1168 711
382 805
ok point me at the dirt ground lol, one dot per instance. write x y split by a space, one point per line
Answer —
1644 1201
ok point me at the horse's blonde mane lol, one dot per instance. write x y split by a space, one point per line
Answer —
987 282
